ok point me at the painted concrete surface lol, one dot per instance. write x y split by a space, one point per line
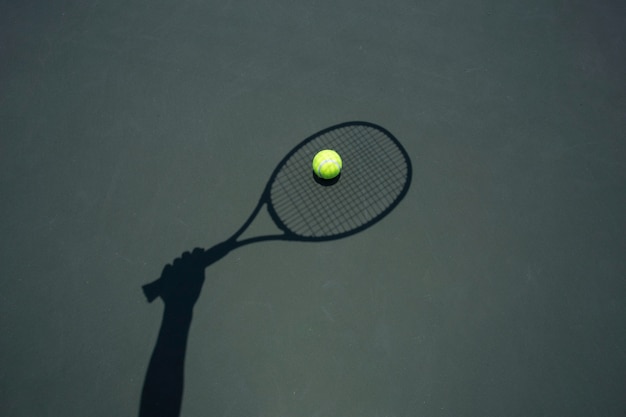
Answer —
132 132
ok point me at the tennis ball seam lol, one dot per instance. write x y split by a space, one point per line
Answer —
326 161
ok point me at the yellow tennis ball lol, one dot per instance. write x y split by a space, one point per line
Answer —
327 164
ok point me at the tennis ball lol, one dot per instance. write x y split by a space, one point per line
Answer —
327 164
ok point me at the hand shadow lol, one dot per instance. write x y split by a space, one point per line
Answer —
180 286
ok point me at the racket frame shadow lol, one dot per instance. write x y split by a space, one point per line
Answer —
218 251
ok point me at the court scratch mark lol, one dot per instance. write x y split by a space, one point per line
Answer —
327 313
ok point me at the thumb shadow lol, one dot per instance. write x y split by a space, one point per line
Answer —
179 286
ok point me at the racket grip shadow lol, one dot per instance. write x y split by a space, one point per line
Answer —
156 288
152 290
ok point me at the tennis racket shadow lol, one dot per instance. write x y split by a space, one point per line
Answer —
375 177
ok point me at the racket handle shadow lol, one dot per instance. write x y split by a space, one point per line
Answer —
152 290
156 288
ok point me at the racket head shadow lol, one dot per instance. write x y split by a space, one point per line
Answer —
375 177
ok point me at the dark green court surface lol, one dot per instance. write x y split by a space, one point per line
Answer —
132 132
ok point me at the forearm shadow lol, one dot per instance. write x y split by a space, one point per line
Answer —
179 286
